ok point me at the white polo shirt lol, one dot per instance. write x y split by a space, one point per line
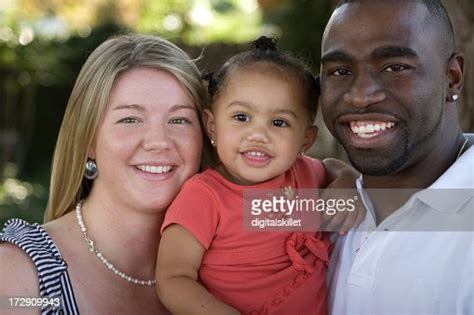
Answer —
404 265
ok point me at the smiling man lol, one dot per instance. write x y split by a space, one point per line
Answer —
390 79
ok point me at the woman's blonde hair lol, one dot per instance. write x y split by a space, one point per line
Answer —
88 102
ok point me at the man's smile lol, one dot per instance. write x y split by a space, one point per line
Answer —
367 131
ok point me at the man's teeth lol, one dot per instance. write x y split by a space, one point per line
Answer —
369 128
154 169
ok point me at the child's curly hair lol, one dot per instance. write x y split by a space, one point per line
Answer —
263 50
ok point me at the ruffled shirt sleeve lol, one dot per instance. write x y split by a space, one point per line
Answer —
310 173
196 209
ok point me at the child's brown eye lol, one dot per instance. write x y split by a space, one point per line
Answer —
241 117
279 123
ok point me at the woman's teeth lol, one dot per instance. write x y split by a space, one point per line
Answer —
155 169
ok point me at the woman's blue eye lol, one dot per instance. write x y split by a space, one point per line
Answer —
279 123
241 117
128 120
179 121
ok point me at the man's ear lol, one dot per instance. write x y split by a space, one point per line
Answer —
209 124
454 75
309 137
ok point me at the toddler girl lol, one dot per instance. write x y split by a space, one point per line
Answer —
263 104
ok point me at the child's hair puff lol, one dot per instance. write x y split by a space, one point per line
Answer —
263 51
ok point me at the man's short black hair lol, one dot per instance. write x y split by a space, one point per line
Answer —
436 9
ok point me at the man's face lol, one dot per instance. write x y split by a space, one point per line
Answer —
382 84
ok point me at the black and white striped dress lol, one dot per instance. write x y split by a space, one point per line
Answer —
53 277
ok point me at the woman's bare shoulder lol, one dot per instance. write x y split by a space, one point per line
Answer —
18 275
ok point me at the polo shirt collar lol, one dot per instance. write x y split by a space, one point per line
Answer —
454 187
451 190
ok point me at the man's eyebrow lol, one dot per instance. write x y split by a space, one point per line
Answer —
140 108
336 56
393 52
378 53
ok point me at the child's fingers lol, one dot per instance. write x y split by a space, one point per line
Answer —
325 218
349 222
354 218
335 222
361 213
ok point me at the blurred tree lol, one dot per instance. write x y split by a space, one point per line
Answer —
201 22
299 25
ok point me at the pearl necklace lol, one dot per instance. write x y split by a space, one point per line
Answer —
100 256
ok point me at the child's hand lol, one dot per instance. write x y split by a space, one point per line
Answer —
177 275
341 178
342 221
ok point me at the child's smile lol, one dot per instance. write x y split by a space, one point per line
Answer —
256 157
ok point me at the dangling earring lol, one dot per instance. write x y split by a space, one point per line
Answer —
91 170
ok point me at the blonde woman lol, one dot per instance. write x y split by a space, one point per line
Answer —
130 137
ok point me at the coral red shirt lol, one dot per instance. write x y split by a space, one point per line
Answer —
256 272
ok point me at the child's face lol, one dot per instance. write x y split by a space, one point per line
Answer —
260 125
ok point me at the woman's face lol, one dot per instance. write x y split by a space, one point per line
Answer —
149 141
